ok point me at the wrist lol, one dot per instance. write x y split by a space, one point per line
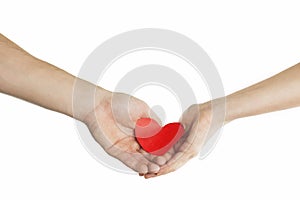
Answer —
216 109
86 97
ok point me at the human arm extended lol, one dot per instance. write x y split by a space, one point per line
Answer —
279 92
36 81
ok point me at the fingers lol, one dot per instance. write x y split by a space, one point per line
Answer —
171 166
186 148
160 160
177 161
128 152
144 111
154 116
138 162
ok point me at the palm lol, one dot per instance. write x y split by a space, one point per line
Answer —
197 121
112 124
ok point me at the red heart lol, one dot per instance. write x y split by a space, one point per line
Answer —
155 139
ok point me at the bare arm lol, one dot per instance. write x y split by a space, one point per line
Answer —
279 92
38 82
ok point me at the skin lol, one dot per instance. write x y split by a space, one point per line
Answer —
276 93
110 117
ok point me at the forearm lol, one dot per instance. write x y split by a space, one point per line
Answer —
279 92
33 80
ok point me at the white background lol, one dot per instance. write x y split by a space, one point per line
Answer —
258 157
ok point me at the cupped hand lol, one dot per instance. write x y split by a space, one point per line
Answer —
112 124
200 123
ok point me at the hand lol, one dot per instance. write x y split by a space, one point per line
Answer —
199 125
112 124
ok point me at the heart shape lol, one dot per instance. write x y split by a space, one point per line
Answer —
155 139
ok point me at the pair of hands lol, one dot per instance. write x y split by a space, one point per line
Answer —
112 122
112 119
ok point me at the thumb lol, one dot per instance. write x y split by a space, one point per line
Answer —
150 113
